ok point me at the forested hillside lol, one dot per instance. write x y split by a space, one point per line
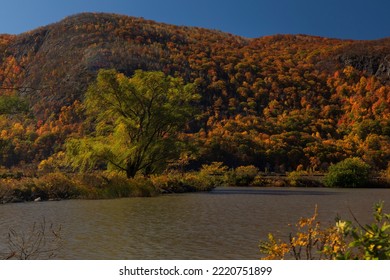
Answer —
281 103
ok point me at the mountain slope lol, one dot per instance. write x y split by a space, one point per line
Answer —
63 58
278 101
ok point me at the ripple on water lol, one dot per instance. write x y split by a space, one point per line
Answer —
224 224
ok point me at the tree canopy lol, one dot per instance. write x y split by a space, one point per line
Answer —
136 122
280 103
351 172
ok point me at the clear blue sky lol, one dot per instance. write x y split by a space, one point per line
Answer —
348 19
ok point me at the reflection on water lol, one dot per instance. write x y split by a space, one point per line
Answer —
224 224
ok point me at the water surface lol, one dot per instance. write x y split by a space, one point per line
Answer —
226 223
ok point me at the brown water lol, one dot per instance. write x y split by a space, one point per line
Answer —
224 224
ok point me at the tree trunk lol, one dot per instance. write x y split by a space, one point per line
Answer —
131 170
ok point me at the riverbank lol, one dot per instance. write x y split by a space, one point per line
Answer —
98 185
14 187
315 180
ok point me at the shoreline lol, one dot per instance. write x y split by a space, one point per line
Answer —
57 186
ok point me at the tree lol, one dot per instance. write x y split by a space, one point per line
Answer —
12 104
351 172
137 122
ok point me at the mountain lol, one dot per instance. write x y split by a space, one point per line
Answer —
63 58
278 102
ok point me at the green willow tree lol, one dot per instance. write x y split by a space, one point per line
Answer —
137 122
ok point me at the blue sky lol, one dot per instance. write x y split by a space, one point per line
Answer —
347 19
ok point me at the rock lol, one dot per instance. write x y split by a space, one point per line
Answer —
37 199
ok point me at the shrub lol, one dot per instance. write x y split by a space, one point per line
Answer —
50 186
174 182
243 175
54 186
344 240
117 185
142 187
52 163
214 174
41 241
168 183
114 185
371 241
308 242
295 178
351 172
201 182
259 181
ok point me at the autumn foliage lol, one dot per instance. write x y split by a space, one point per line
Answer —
279 103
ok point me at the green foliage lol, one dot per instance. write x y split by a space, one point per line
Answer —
302 179
137 122
57 186
243 175
12 104
351 172
115 185
175 183
213 174
370 241
276 102
367 127
344 240
200 181
309 241
209 177
53 163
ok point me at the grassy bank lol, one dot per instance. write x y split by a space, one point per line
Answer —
19 187
97 185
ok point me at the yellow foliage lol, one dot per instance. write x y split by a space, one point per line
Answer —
310 241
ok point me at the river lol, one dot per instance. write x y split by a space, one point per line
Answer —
226 223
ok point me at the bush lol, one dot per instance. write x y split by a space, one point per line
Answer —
167 183
117 186
371 241
259 181
175 182
41 241
200 182
214 174
344 240
54 186
114 185
143 187
302 179
243 175
351 172
296 179
121 186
